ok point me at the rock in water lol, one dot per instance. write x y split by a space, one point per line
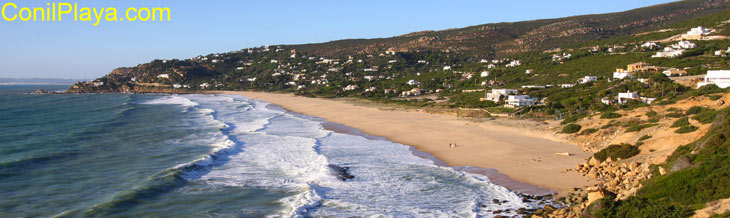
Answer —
340 172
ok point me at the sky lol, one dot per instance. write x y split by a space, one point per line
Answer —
79 50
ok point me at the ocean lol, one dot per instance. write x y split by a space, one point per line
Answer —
133 155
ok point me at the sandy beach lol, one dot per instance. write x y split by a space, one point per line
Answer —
523 155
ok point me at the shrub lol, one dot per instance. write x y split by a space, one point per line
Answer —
681 122
589 131
622 151
610 115
569 119
715 97
645 137
639 207
696 110
651 114
705 117
571 128
653 120
675 115
686 129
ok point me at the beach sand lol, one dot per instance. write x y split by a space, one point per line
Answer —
523 155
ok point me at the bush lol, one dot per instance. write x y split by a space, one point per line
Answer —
681 122
696 110
653 120
705 117
610 115
686 129
638 207
622 151
675 115
715 97
645 137
651 114
571 128
569 119
589 131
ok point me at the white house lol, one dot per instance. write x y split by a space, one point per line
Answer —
567 85
514 63
520 101
413 83
606 101
587 79
485 74
491 66
164 75
412 92
176 86
204 85
696 33
674 71
622 75
669 53
496 94
684 45
721 78
447 67
649 45
624 97
350 87
529 71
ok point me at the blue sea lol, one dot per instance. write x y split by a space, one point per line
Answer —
132 155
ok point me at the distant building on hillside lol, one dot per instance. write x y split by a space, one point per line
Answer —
625 97
520 101
674 71
721 78
496 94
696 33
587 79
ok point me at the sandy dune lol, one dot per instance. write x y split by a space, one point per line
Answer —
523 155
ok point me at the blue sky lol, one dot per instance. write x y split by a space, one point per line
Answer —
80 50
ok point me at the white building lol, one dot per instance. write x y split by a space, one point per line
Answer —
567 85
447 67
520 101
649 45
622 75
721 78
485 74
164 75
413 83
684 45
204 85
176 86
625 97
351 87
669 52
514 63
697 33
496 94
674 71
587 79
412 92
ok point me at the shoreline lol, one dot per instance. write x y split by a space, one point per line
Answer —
519 159
493 174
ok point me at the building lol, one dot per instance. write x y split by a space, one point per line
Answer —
721 78
514 63
696 33
496 94
204 85
625 97
622 75
164 75
674 71
587 79
350 87
413 83
412 92
567 85
485 74
520 101
529 71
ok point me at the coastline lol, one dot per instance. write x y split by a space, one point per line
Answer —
521 160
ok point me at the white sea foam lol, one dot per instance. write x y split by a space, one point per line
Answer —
173 99
276 151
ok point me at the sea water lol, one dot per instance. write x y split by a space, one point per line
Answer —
130 155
